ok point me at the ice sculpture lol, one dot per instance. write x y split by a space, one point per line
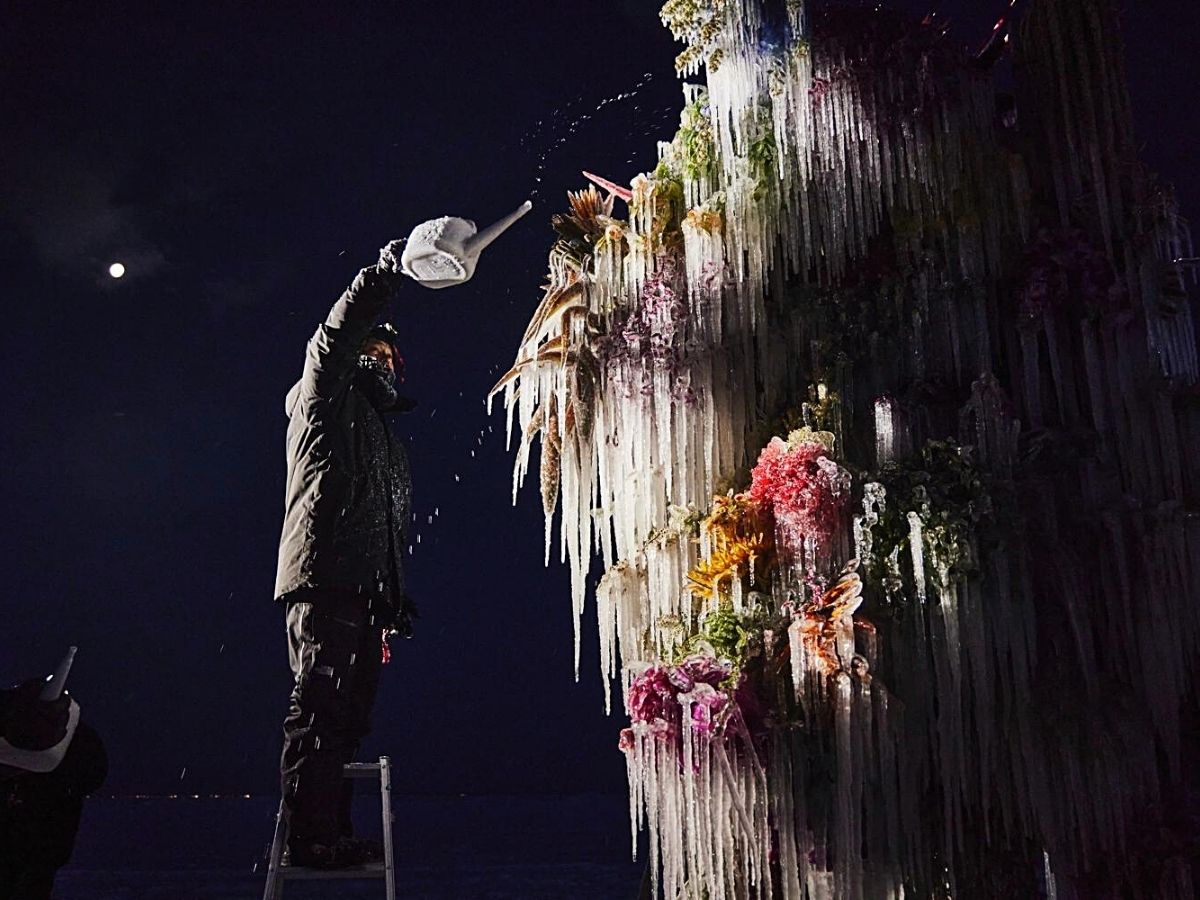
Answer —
876 409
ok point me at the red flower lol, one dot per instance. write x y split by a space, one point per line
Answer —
803 486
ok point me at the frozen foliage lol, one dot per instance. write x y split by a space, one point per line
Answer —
982 315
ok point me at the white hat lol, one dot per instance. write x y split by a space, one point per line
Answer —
40 760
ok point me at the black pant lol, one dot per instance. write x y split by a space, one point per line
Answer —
334 647
39 816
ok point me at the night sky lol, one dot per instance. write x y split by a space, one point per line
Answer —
244 161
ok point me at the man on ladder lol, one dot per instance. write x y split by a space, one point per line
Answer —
341 575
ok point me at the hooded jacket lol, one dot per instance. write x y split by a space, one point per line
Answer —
348 497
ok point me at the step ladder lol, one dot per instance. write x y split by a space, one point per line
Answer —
278 874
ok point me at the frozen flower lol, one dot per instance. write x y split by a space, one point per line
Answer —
681 679
803 486
652 700
702 667
657 694
626 741
704 702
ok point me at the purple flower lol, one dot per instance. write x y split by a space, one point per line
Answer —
657 695
681 679
707 669
705 702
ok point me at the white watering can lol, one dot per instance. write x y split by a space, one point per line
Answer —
443 252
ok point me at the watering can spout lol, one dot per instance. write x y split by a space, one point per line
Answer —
479 241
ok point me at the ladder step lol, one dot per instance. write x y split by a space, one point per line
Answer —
278 874
300 873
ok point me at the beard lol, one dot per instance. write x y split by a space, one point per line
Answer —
376 381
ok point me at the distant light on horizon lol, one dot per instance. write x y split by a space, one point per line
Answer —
116 270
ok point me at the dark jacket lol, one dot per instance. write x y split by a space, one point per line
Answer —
349 489
39 811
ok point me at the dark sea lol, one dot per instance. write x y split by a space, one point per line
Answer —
215 848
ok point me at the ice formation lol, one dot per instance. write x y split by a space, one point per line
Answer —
876 409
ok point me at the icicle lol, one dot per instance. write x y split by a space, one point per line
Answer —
796 648
1048 877
845 819
916 546
885 434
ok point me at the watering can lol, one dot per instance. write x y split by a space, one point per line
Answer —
443 252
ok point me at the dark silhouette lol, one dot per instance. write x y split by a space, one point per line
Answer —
341 576
49 762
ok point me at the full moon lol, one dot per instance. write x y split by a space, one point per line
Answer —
116 270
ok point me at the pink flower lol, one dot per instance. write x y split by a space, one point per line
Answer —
802 486
652 699
664 730
656 694
681 679
705 702
700 667
625 743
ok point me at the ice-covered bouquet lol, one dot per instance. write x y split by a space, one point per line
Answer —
659 695
803 487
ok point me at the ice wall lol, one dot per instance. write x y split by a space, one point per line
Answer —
934 639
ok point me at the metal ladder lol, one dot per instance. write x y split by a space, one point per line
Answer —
278 874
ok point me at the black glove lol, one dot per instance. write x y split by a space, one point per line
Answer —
389 258
405 613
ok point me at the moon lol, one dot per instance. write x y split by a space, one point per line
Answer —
116 270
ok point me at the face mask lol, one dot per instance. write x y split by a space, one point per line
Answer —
377 381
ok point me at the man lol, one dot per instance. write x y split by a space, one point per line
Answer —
341 574
49 761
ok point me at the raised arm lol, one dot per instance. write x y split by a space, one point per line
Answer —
333 350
